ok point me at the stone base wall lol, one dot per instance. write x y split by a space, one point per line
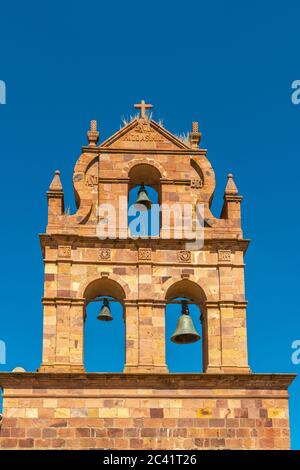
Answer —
177 416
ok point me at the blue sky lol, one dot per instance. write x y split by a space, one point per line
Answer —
227 64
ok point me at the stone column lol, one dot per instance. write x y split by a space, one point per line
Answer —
212 346
63 335
49 332
151 337
145 337
132 336
234 337
159 336
76 337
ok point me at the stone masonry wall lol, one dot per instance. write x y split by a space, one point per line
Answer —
90 418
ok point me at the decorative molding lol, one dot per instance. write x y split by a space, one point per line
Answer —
64 251
104 254
145 254
224 255
184 256
63 301
205 383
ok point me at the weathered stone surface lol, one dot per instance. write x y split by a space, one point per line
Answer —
62 407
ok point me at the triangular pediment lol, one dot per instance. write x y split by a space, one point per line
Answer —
144 134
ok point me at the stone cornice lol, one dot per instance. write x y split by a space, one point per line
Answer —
159 243
145 302
62 301
146 381
139 262
105 150
124 180
226 303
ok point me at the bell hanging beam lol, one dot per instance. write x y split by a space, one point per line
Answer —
185 332
105 313
143 201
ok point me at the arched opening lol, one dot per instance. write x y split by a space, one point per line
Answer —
104 341
144 218
184 355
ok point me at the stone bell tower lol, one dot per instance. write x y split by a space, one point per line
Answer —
227 406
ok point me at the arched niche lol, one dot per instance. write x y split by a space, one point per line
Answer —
150 176
99 337
185 357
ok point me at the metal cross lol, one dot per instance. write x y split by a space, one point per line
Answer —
142 106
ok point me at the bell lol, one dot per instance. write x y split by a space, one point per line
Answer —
185 332
105 313
142 199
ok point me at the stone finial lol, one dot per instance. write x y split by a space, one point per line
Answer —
231 209
195 135
231 186
56 183
195 126
93 134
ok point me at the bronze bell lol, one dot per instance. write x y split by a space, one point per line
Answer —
143 200
185 332
105 313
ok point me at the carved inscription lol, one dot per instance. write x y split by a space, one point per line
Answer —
196 183
91 180
143 132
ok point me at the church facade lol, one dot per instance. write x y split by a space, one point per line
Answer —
145 407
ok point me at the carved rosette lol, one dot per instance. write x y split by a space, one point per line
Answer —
64 251
104 254
145 254
184 256
224 256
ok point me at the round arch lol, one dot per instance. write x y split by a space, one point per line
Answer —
111 285
150 163
99 335
189 289
104 286
185 288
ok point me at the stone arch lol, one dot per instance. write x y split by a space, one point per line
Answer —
111 285
99 335
178 287
149 174
145 161
84 205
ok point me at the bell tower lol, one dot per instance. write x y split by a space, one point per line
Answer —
144 274
195 257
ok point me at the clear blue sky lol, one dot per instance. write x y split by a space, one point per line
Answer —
228 64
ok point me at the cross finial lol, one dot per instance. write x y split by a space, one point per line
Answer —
143 106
